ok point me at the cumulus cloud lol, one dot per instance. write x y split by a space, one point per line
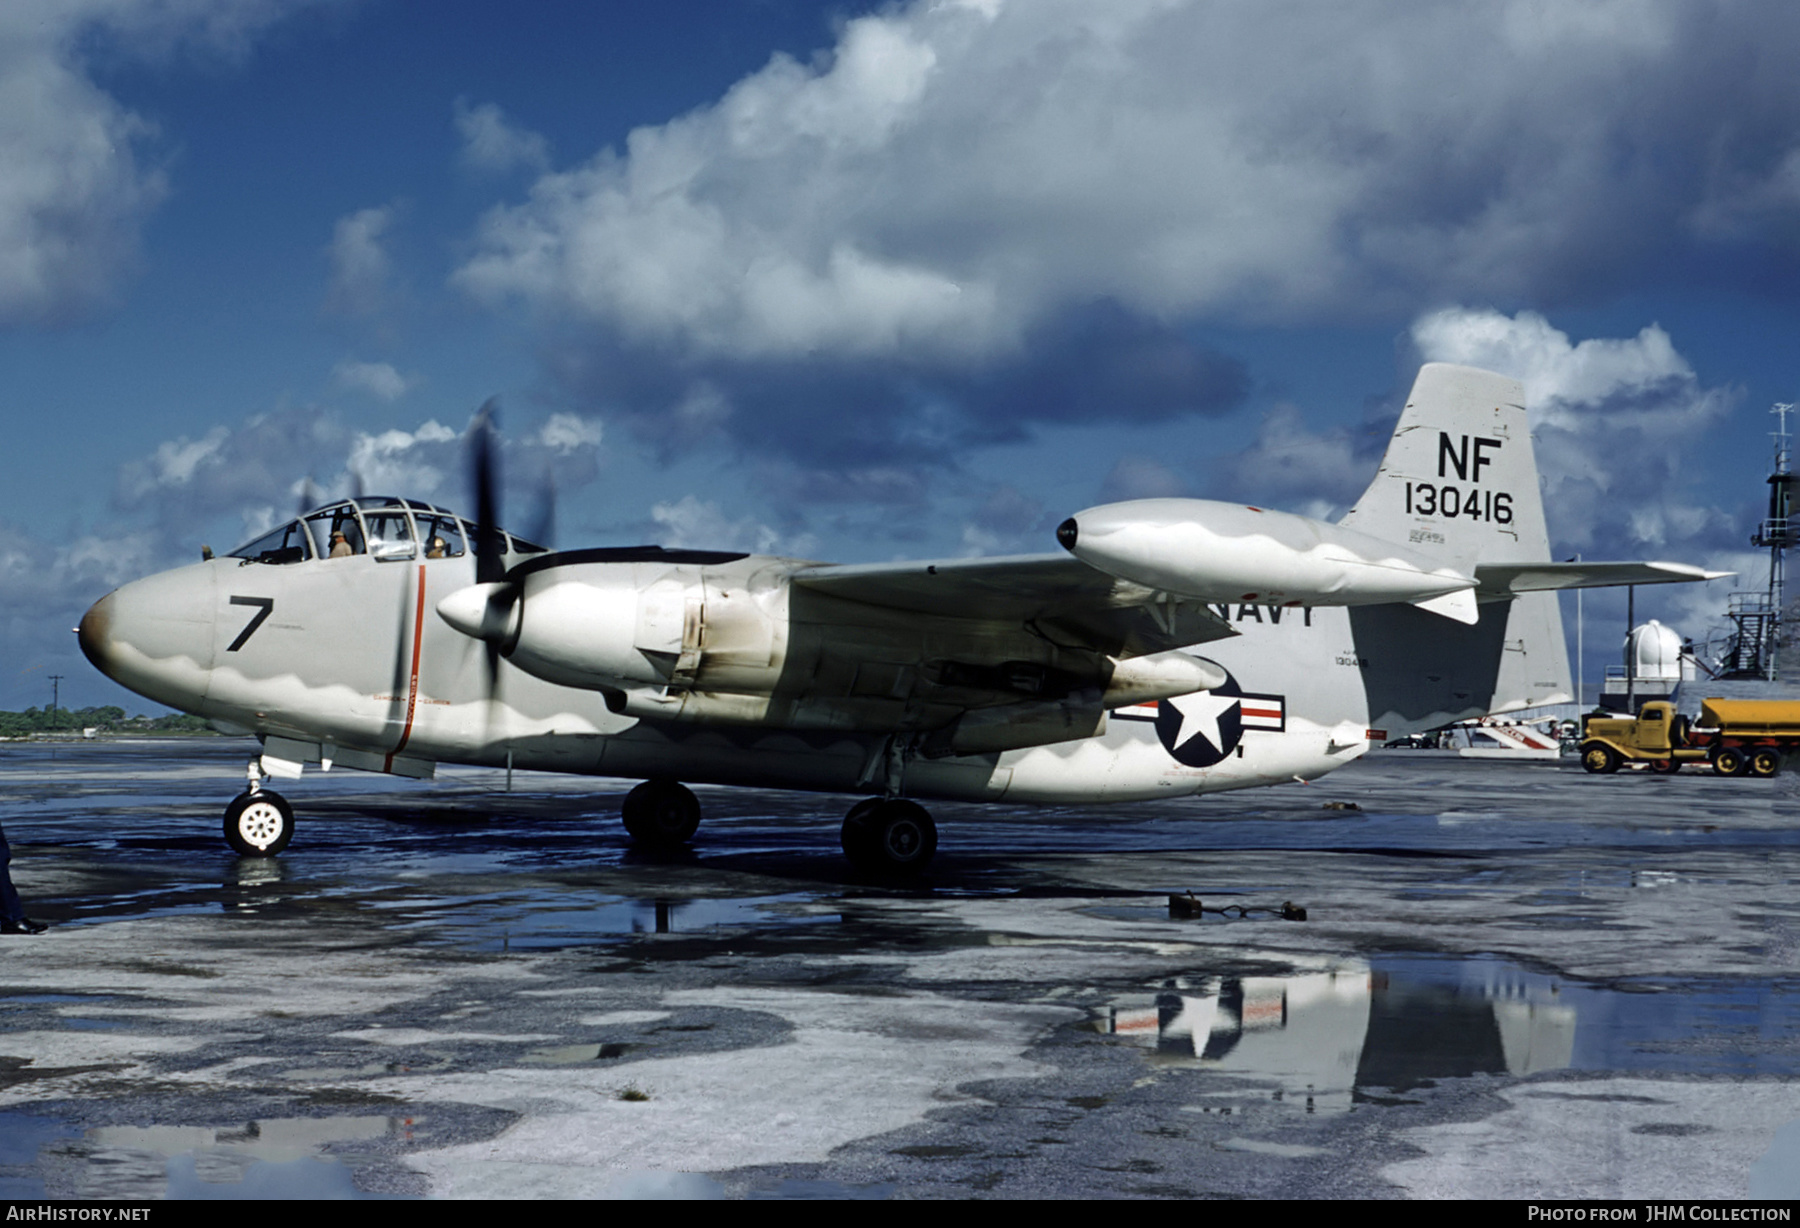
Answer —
1291 466
235 482
949 174
1141 477
829 418
1610 417
413 462
44 588
1006 522
568 433
360 267
493 144
693 522
379 379
78 172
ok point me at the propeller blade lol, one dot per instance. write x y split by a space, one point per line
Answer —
484 466
309 496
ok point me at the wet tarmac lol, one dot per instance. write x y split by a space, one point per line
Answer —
1514 980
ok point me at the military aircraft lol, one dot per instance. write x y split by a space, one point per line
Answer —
1173 646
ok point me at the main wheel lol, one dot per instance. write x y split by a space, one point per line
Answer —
1598 757
1730 762
893 836
856 837
1665 767
661 814
1765 762
259 824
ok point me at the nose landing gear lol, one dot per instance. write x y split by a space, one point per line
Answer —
259 823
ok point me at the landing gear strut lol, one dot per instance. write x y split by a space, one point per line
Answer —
258 823
661 814
889 835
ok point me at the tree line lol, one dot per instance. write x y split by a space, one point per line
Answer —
108 719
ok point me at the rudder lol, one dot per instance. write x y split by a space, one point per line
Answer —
1459 481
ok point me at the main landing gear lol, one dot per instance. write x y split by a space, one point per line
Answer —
661 814
889 835
882 835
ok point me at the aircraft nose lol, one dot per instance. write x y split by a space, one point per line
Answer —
155 636
95 634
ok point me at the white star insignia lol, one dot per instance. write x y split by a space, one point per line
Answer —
1200 713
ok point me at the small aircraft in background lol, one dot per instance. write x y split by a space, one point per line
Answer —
1172 647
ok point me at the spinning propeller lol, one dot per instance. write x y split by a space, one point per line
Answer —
490 609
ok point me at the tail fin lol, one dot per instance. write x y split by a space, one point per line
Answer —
1459 483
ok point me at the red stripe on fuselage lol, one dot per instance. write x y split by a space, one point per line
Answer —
412 690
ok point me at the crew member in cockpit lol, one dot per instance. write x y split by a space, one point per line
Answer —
340 545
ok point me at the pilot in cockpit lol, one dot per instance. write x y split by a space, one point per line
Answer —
340 545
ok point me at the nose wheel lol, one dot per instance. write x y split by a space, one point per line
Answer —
889 836
259 824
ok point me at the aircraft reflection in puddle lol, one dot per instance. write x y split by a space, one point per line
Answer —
1321 1034
274 1158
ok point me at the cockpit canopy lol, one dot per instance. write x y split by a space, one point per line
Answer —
385 528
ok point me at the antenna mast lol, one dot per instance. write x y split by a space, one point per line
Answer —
1758 615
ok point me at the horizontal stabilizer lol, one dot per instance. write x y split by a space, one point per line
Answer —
1459 606
1498 581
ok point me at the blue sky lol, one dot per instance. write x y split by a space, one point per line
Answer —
865 282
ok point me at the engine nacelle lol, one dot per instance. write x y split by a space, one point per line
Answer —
587 631
627 628
1232 552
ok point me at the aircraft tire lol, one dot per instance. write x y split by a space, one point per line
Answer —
857 842
1665 767
1730 762
259 824
1765 762
661 814
893 836
1599 758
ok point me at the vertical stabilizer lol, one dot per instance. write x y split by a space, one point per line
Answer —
1459 483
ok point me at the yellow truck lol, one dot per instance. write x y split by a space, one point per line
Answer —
1738 737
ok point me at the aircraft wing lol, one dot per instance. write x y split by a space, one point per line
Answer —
1498 581
1057 595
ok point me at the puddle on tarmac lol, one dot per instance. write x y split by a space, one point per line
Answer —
1338 1033
22 1137
269 1159
546 922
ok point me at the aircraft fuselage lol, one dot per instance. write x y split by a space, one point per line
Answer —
346 661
